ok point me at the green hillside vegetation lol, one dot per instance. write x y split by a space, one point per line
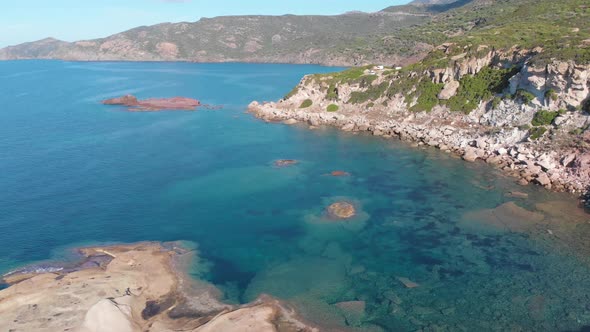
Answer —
332 108
546 29
545 118
559 28
306 103
480 87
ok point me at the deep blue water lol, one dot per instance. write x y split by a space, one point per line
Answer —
74 172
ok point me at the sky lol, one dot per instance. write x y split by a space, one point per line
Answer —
70 20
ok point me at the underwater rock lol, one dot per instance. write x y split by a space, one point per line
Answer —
341 210
292 279
357 269
339 173
322 227
407 282
353 311
517 194
506 217
536 306
560 209
285 162
391 296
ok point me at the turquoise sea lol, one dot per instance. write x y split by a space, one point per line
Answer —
74 172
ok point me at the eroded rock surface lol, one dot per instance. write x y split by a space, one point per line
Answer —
138 290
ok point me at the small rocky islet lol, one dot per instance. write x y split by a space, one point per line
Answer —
154 104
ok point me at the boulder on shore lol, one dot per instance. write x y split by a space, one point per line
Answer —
154 104
470 154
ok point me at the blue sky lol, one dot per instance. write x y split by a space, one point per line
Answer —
28 20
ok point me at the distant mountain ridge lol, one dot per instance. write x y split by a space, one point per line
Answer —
353 38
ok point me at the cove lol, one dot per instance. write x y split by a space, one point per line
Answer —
74 172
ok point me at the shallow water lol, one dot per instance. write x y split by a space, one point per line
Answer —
74 172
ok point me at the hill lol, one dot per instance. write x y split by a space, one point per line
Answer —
350 39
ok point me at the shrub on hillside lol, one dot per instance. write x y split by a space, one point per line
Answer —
537 132
524 96
496 102
292 93
373 92
427 93
480 87
332 108
332 92
544 118
306 103
551 95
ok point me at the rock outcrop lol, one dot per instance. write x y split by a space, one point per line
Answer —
137 289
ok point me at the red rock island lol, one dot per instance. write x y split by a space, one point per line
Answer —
154 104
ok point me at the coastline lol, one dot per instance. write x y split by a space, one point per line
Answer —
229 61
133 287
449 132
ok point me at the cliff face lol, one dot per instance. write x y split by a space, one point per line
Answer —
566 81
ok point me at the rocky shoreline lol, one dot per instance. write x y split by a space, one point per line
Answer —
131 288
564 169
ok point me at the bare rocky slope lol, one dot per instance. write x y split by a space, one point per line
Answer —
518 101
350 39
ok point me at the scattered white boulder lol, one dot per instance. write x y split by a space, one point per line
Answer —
109 315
